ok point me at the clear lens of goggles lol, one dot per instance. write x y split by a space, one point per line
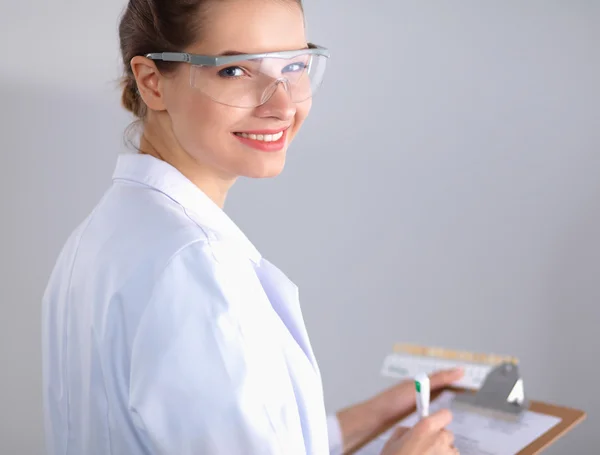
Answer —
251 83
251 80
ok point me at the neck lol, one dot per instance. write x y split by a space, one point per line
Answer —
207 180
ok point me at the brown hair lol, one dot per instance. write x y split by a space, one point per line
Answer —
158 26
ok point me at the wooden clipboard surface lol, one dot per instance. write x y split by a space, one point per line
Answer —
569 419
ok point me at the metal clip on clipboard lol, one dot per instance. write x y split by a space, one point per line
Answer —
501 395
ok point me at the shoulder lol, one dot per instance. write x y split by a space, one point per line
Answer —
134 226
134 240
148 211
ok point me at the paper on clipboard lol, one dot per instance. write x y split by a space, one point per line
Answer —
476 434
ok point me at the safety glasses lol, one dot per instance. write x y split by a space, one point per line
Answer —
249 80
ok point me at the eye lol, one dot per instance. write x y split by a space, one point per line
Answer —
294 67
231 71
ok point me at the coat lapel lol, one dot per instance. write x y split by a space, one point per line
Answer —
283 295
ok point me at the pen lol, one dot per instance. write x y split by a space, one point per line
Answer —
423 394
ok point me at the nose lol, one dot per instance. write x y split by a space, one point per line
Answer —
277 101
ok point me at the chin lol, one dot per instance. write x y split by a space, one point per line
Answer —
262 169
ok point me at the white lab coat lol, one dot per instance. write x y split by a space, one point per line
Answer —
166 332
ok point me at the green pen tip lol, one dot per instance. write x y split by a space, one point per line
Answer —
418 386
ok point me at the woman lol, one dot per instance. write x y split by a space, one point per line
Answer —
165 331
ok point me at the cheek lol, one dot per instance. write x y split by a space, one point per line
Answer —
302 111
201 124
189 123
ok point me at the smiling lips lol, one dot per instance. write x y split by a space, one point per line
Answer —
265 140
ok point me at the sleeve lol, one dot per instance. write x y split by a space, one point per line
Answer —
334 431
190 392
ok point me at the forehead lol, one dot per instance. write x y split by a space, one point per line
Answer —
251 26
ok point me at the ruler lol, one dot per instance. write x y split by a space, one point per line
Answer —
408 360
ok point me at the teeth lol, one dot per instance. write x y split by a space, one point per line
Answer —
262 137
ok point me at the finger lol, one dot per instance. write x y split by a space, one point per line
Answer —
400 387
399 432
444 378
446 438
436 421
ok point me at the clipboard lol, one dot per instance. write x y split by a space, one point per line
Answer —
569 418
502 394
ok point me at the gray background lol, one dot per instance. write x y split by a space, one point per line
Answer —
445 189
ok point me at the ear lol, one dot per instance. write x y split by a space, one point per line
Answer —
149 82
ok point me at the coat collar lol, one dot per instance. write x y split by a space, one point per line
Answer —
162 176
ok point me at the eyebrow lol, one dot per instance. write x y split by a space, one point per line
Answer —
228 53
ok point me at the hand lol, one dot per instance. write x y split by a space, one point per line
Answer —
362 422
428 437
396 401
